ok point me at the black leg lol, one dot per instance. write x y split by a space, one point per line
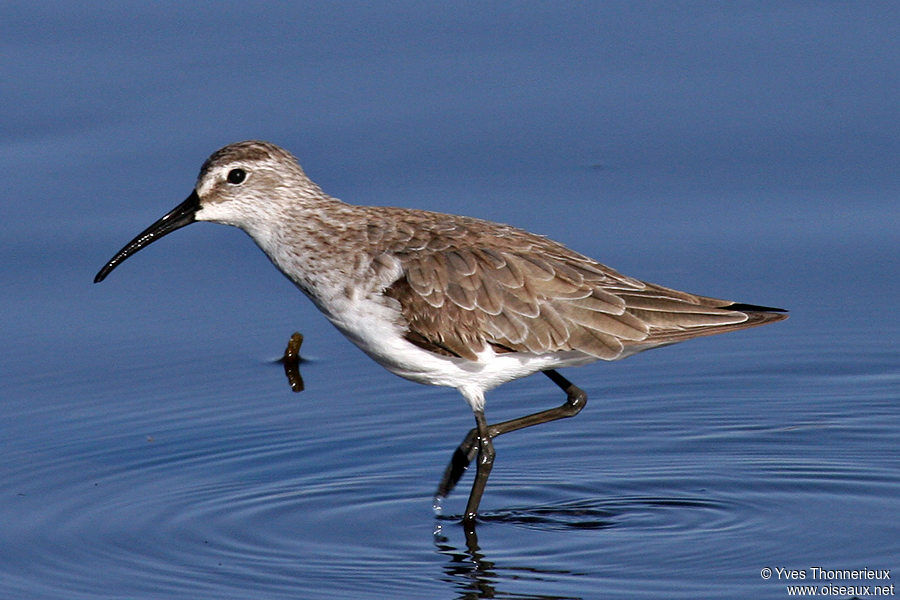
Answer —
484 465
473 444
462 456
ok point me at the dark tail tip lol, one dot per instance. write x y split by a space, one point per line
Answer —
753 308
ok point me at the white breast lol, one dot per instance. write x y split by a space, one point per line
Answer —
374 326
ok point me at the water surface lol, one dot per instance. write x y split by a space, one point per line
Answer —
153 449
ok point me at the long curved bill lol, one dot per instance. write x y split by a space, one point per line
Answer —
178 217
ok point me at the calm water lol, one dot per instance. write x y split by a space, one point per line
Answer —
153 449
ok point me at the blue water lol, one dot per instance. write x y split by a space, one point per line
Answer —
152 447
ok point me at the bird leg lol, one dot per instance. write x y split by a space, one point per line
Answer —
462 456
483 466
479 441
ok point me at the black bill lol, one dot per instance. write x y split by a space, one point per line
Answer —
178 217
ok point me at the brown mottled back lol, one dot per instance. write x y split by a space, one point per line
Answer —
467 283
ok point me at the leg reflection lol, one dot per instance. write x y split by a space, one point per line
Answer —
474 576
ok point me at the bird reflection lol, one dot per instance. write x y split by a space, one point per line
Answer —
475 576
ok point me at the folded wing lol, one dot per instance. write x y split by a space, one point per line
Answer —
530 294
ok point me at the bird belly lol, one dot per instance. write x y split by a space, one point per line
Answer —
375 328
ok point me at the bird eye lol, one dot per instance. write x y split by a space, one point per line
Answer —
236 176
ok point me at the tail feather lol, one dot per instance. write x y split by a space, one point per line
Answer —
743 316
748 308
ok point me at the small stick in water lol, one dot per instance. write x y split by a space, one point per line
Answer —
291 360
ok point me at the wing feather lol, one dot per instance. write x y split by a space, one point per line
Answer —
460 295
469 284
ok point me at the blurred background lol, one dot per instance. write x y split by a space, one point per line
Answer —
152 447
